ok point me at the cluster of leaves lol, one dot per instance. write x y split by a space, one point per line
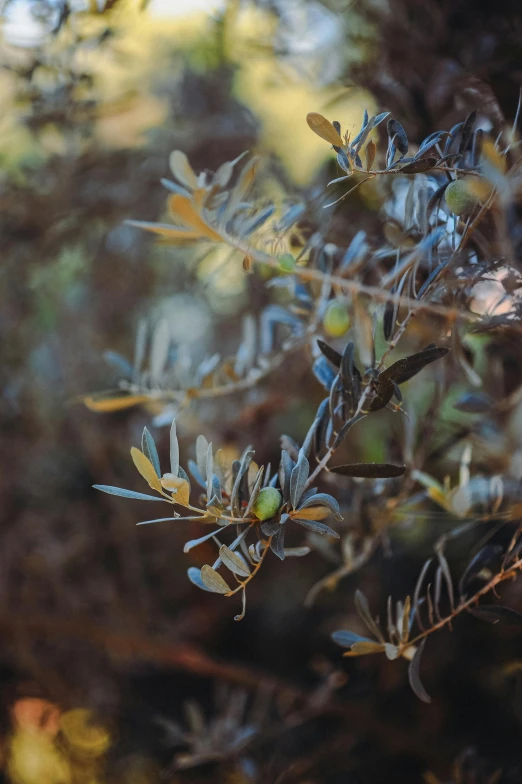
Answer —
433 256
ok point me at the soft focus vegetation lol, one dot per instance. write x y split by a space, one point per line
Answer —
273 250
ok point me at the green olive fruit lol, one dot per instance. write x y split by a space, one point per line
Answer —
267 503
336 319
459 197
287 262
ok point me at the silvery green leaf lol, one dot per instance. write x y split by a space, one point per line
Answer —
290 217
159 351
363 608
209 470
324 373
379 118
242 468
195 542
194 576
256 221
233 561
201 456
173 187
213 580
286 467
199 518
296 552
317 527
195 473
158 520
270 527
139 348
174 449
391 651
346 638
183 475
241 616
356 249
307 443
258 481
298 479
323 499
122 365
277 543
148 447
127 493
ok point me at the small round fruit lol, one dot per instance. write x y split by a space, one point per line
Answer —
287 262
267 503
336 320
459 197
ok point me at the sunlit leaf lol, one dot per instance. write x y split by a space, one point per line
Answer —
323 128
365 648
182 170
146 469
183 210
108 404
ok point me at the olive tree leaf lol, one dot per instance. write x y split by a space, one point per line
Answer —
316 527
363 608
298 479
195 542
233 561
330 353
120 491
495 613
323 128
146 469
365 648
414 674
174 449
213 580
148 447
194 575
323 499
346 638
369 470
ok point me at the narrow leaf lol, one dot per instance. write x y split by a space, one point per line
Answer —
369 470
148 447
365 648
298 480
495 613
414 675
127 493
346 639
316 527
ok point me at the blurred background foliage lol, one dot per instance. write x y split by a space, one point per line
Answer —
104 641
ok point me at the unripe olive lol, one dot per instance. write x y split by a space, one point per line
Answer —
459 197
336 319
287 262
267 503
